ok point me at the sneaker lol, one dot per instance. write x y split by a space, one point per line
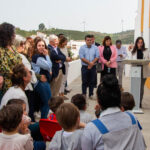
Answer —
67 91
37 115
85 96
91 97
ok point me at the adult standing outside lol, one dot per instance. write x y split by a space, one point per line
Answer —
42 65
122 54
108 56
96 44
140 52
62 45
9 57
89 55
58 67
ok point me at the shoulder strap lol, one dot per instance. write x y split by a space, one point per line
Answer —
101 127
132 117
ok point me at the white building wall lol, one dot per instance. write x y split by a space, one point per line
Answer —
146 31
74 70
146 23
137 32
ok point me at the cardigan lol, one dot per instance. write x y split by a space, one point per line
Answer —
112 58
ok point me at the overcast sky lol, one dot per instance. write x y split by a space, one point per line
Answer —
99 15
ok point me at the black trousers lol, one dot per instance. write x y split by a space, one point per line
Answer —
88 79
108 71
143 80
31 100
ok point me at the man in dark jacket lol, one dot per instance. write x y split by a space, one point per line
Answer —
58 67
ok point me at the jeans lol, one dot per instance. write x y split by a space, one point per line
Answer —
143 80
43 89
88 79
39 145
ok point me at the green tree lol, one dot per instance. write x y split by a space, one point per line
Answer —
41 26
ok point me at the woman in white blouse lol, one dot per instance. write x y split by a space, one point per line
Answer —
140 52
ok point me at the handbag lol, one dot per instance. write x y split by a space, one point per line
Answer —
99 67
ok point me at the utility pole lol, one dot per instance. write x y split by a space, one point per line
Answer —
122 28
84 26
122 21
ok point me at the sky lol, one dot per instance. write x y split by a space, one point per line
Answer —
98 15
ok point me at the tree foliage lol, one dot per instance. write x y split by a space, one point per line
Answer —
127 37
41 26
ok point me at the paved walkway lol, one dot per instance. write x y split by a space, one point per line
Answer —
143 118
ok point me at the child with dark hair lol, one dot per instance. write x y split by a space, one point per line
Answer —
23 129
54 103
128 103
80 101
10 119
69 138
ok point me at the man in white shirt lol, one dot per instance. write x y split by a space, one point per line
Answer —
122 54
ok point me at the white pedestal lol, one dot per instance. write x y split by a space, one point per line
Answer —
135 87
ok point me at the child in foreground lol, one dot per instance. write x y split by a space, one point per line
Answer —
128 103
28 127
80 101
10 139
69 138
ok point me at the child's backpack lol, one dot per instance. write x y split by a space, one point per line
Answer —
48 128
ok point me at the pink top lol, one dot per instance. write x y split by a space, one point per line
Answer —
112 59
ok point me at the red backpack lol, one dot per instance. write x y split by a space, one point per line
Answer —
48 128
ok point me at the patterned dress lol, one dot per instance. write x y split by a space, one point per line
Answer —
8 60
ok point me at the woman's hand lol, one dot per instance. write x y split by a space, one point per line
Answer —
108 63
130 47
1 81
45 52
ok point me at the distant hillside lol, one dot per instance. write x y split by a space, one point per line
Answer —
127 37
